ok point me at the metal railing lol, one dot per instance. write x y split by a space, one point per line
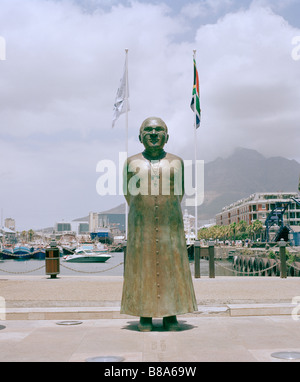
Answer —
247 265
60 264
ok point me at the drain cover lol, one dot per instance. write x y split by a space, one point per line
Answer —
286 355
69 323
107 358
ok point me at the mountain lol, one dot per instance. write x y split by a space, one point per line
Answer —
242 174
245 172
119 210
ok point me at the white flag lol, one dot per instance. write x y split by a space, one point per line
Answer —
121 104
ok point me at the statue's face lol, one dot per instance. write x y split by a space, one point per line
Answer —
154 135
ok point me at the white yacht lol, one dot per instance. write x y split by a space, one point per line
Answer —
82 255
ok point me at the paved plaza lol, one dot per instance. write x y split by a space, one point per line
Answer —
239 319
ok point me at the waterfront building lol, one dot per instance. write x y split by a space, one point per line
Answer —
83 228
10 223
114 221
76 227
7 235
189 226
63 227
257 207
93 221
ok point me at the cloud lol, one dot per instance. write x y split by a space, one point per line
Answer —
250 82
64 62
206 8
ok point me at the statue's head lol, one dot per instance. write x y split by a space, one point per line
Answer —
153 134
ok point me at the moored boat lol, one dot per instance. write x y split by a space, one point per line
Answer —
82 255
39 254
97 248
7 254
21 253
68 250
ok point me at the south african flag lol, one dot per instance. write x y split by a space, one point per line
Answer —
196 97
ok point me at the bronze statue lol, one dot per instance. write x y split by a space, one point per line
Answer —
157 278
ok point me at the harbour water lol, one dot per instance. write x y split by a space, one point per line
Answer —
112 267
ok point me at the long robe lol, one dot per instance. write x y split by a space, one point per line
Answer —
157 278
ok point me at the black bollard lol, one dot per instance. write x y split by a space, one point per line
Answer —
197 258
283 268
211 253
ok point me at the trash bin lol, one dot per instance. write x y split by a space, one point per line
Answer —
52 260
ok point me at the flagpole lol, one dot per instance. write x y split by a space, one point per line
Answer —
126 144
195 158
126 93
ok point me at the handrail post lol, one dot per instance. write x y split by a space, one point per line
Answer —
283 268
211 253
197 258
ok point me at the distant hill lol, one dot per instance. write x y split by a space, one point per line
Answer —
120 209
241 174
227 180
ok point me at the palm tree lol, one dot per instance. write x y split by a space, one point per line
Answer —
30 234
232 230
23 235
203 233
250 231
257 227
242 229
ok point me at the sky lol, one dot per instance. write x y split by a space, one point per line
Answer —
63 64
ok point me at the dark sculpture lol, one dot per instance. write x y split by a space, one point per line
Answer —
157 279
